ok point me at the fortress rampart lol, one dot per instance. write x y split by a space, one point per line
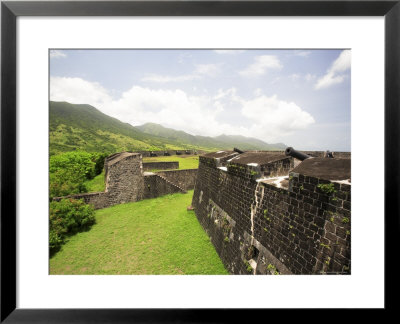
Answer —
265 212
148 166
126 181
265 217
170 152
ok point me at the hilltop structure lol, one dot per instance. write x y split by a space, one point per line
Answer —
265 212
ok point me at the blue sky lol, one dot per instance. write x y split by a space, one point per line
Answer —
297 97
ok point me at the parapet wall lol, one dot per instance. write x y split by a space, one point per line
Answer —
185 179
147 166
171 152
97 199
337 155
258 228
156 186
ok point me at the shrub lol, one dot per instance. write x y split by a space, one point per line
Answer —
98 159
327 188
55 240
60 185
69 171
67 217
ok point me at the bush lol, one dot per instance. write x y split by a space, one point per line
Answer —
69 171
67 217
98 159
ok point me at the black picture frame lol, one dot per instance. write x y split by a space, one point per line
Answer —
10 10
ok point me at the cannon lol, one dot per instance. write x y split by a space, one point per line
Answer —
296 154
152 154
237 150
178 152
187 152
329 154
166 153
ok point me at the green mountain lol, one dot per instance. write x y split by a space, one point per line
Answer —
83 127
249 143
220 142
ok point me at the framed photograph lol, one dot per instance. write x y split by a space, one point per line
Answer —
109 103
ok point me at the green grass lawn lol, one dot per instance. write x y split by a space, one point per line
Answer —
185 162
96 184
153 236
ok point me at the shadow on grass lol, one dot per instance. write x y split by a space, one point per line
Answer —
54 251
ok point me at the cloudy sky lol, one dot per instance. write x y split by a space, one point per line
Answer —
297 97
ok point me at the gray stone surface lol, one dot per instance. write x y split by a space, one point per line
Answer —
304 230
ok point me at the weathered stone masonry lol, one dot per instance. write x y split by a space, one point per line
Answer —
185 179
126 182
170 152
124 178
147 166
258 227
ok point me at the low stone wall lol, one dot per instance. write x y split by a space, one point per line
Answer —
156 186
277 168
172 152
147 166
185 179
339 155
97 199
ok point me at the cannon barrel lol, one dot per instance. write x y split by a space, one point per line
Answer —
237 150
296 154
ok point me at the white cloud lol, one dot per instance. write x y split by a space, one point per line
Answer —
57 54
309 77
165 78
273 118
183 57
342 63
261 65
207 69
294 76
267 118
302 53
328 80
257 92
335 73
229 51
200 71
78 91
229 93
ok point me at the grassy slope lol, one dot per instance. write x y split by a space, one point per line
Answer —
96 184
84 127
221 142
185 162
155 236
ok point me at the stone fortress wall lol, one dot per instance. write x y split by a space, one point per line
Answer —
170 152
126 181
261 222
265 213
160 165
